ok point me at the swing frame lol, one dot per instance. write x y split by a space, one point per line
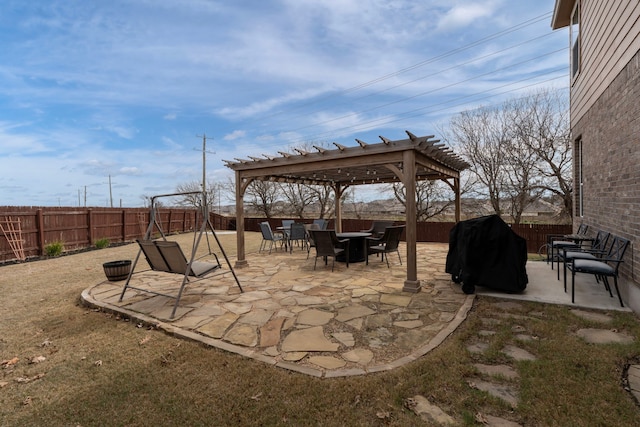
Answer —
204 226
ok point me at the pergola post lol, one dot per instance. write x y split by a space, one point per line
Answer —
241 260
338 208
412 284
456 189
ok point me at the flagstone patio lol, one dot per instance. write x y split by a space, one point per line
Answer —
350 321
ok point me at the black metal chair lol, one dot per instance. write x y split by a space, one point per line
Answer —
269 236
597 250
602 268
321 223
328 245
310 242
559 242
385 244
377 228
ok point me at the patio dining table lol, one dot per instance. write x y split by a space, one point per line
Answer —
357 246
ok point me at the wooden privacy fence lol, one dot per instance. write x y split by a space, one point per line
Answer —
534 234
82 227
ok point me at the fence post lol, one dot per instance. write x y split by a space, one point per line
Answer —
40 231
124 225
90 226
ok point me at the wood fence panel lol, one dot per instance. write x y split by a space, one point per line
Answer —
80 227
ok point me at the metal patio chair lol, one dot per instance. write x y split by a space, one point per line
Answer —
328 245
385 244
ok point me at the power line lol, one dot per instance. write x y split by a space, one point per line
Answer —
476 43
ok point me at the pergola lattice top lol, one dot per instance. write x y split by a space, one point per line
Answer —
358 165
404 161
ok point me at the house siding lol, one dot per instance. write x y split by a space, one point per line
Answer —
609 132
610 37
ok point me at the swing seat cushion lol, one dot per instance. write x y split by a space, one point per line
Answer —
168 257
177 262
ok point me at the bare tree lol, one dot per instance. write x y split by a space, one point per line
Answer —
518 151
298 197
433 197
544 125
481 136
194 200
324 198
262 196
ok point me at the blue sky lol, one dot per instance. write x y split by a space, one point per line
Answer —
127 88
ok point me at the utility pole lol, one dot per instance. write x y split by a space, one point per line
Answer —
110 193
204 170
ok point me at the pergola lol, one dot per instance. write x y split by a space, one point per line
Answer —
403 161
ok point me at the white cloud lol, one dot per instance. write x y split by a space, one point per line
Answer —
236 134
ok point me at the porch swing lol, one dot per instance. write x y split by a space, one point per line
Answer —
167 256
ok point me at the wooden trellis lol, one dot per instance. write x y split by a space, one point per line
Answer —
12 230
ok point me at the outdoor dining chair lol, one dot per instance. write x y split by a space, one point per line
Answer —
269 236
310 242
597 250
385 244
298 234
557 243
328 245
321 223
377 228
602 268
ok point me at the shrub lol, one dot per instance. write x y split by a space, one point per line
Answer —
54 248
102 243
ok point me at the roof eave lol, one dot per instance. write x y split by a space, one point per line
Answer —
562 13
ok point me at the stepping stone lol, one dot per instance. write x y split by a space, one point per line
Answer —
353 312
241 334
428 412
517 353
479 347
518 328
327 362
270 332
524 337
504 392
485 333
594 317
314 317
505 371
311 339
361 356
492 421
604 336
633 376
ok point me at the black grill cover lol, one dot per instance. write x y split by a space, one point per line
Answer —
486 252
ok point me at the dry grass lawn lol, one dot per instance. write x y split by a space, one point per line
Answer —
99 370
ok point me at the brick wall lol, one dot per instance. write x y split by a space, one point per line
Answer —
610 138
